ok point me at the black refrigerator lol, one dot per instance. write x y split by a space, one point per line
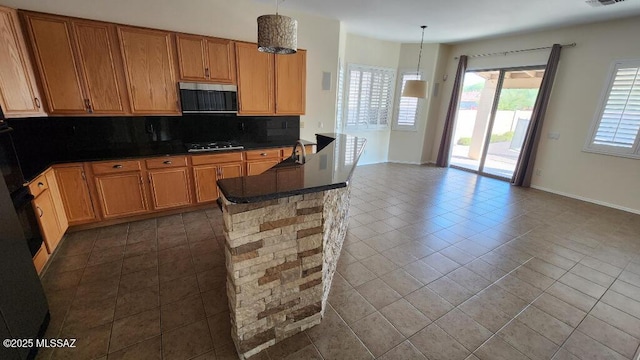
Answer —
24 312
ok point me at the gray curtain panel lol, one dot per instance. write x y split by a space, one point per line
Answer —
526 161
447 133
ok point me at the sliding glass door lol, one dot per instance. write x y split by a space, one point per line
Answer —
492 119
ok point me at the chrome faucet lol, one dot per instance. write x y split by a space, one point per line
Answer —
299 159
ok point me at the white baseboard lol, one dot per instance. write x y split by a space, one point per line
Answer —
405 162
593 201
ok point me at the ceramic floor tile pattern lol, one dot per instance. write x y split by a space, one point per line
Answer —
437 264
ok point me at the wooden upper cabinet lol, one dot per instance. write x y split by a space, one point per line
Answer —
291 83
149 68
101 67
52 44
192 57
79 64
255 80
19 95
206 59
222 60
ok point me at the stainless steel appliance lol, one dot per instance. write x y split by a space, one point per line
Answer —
198 98
24 312
213 146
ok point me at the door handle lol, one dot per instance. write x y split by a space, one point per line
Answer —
206 73
263 154
40 210
117 166
168 162
40 185
37 101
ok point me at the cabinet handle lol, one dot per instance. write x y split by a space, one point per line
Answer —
206 73
40 210
87 105
117 166
40 185
263 154
84 177
168 162
37 101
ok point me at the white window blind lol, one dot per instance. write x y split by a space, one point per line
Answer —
369 97
340 96
615 128
407 109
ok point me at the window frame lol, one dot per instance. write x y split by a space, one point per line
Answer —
347 90
395 126
590 146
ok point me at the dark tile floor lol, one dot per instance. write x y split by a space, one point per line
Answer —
438 264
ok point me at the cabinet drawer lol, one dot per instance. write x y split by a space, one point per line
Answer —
38 185
167 162
263 154
115 167
217 158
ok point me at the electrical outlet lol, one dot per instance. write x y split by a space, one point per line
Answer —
301 124
320 125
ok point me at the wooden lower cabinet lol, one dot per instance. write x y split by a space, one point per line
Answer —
121 194
47 219
205 177
40 259
170 187
74 192
258 167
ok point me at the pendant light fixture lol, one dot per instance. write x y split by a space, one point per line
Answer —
277 34
417 88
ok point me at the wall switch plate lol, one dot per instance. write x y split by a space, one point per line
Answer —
320 125
326 80
554 135
301 124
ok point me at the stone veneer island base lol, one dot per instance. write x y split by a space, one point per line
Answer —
281 255
284 230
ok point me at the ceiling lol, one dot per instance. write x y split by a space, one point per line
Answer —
452 21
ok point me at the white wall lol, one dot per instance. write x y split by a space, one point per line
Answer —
222 18
366 51
577 91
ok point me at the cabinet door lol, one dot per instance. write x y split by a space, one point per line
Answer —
52 43
149 69
121 194
291 86
56 197
205 180
19 95
99 59
170 187
228 171
192 57
75 194
258 167
255 80
222 61
44 208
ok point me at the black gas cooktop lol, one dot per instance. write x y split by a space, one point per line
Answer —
213 146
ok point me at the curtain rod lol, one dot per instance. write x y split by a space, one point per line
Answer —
504 53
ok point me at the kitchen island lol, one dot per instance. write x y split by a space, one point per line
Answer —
284 230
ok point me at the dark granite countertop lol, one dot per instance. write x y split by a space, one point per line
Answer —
330 168
158 149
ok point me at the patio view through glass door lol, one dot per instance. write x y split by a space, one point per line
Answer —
492 119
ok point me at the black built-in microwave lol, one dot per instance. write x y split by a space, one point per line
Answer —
199 98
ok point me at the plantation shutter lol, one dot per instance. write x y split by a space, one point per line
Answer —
619 121
370 96
407 106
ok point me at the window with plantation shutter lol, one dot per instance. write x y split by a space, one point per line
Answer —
616 128
369 97
407 109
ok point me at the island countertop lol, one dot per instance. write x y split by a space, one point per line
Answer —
330 168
